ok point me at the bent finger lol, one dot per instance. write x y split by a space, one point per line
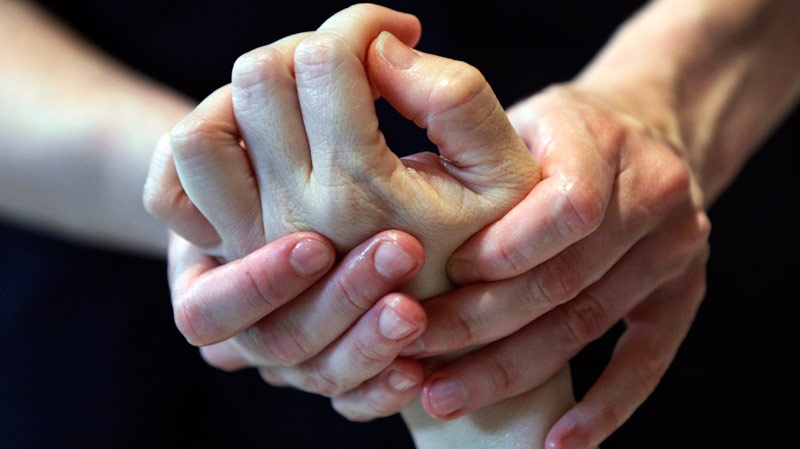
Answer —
383 395
216 173
165 199
462 115
319 316
370 346
212 303
655 331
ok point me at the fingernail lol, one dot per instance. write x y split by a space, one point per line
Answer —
393 326
447 395
416 347
462 271
392 261
401 382
396 53
309 257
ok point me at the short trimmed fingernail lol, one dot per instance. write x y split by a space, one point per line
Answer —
462 270
392 261
393 326
396 53
447 395
310 257
416 347
401 382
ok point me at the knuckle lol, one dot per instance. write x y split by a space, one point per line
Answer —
318 55
261 294
321 382
504 375
369 357
557 280
280 343
350 299
189 137
585 319
580 210
190 321
464 328
456 93
257 66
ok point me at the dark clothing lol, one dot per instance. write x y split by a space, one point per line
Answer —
91 358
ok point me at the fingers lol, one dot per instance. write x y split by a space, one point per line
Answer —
371 345
655 330
165 199
309 323
216 174
212 303
453 101
267 111
530 356
382 395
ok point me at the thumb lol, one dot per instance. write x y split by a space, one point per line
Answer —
462 115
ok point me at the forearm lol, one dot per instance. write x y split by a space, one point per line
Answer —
715 77
76 134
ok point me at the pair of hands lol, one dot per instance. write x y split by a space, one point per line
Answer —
607 225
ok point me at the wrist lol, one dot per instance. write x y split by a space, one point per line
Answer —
711 78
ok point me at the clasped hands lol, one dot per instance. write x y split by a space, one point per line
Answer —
526 238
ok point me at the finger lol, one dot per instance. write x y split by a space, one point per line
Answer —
212 303
165 199
315 319
530 356
268 114
655 331
382 395
216 173
463 117
370 346
336 97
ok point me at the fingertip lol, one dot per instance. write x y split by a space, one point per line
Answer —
311 257
401 317
444 398
567 433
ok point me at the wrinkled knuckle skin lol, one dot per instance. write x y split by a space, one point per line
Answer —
504 375
256 67
584 320
322 383
190 321
558 279
277 344
456 92
582 209
318 56
189 138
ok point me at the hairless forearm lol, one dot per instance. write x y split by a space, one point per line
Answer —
76 133
716 77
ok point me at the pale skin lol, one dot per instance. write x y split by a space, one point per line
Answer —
108 193
338 177
701 84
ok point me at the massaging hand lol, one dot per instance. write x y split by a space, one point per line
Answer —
315 160
615 230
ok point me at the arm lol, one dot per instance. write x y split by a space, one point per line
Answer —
321 162
662 121
76 132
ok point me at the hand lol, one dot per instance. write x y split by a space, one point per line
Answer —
468 190
615 230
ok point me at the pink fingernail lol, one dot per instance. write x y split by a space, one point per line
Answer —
393 326
447 395
396 53
392 261
401 382
310 257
